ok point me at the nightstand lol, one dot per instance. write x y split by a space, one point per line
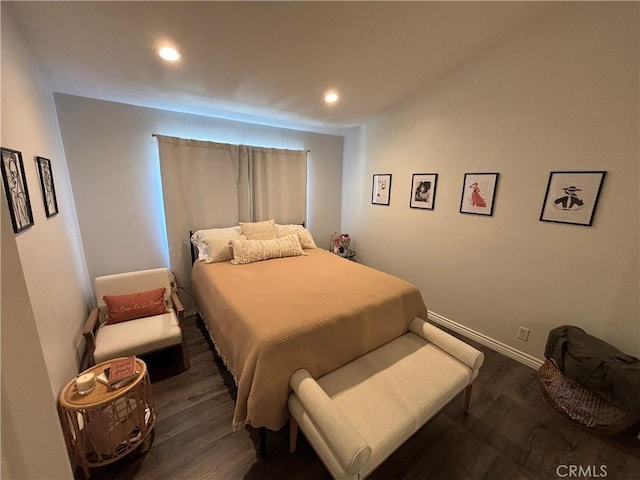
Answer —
348 254
107 424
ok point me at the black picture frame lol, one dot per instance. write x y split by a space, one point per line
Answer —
572 197
16 190
423 191
381 189
48 186
479 193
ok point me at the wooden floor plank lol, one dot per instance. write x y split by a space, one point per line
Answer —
509 434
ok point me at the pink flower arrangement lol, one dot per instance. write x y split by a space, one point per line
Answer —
340 242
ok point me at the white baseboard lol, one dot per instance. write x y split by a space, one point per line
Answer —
499 347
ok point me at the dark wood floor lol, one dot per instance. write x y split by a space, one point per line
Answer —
510 433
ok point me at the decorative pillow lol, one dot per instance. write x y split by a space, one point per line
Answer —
135 305
219 249
306 240
214 244
249 251
260 230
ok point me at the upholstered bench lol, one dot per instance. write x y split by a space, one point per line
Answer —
359 414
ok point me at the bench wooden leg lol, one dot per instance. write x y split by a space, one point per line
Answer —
293 435
467 399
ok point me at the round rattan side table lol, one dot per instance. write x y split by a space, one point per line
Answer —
107 424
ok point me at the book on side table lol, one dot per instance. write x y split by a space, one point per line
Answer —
119 373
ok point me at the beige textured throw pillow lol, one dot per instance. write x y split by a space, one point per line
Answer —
306 240
249 251
220 248
259 230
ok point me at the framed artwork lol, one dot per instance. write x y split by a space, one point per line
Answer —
381 190
15 187
478 193
48 188
423 190
572 197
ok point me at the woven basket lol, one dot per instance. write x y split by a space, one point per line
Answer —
580 405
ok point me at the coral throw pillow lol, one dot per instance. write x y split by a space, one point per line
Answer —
135 305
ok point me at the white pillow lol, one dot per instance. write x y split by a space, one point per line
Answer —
249 251
203 251
306 240
214 244
218 232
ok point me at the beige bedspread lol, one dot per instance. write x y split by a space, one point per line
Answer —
270 318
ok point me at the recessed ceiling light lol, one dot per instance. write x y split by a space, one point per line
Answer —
331 97
169 54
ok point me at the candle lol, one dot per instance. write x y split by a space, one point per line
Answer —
85 383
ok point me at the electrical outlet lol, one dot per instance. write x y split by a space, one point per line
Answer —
523 333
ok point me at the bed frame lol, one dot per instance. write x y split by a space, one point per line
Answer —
194 250
262 447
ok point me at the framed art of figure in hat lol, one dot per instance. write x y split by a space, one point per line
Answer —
572 197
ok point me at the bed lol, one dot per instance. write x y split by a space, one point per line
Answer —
316 311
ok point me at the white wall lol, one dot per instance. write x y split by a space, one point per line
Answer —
44 279
560 95
32 442
115 173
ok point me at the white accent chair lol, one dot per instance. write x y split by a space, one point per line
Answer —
359 414
139 336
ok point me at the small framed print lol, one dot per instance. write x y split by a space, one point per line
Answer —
47 185
478 193
423 190
15 187
381 190
572 197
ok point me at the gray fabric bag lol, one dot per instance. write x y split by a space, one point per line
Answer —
596 365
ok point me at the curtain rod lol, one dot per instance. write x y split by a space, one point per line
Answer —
306 150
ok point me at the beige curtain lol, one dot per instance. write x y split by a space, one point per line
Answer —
199 189
278 181
210 184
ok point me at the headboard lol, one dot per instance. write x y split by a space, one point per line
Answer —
194 249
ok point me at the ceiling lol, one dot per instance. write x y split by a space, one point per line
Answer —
264 62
